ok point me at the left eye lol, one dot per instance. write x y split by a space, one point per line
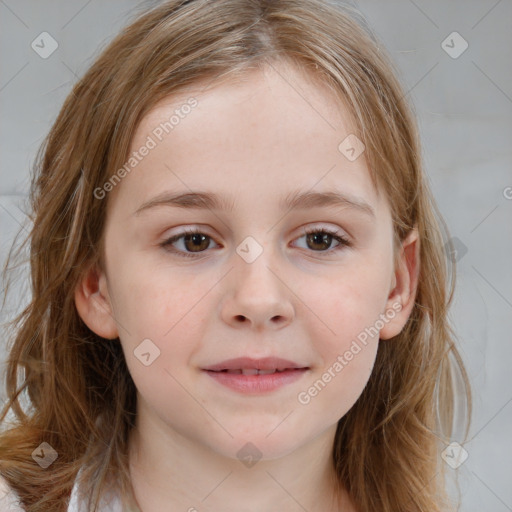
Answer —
195 242
322 237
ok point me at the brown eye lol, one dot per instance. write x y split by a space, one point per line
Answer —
319 240
187 244
196 242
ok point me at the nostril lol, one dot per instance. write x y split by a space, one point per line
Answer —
241 318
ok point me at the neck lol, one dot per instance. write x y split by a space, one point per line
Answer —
171 472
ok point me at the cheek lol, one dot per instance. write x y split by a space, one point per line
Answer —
156 302
152 306
333 393
349 308
168 320
347 349
347 305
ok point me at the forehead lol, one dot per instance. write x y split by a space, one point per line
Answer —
270 131
264 103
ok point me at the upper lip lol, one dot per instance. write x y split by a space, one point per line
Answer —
247 363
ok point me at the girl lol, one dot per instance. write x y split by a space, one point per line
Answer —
239 288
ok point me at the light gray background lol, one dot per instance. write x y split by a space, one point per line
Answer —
464 106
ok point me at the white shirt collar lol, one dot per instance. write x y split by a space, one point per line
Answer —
108 503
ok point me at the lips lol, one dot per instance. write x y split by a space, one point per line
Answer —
250 366
256 376
252 371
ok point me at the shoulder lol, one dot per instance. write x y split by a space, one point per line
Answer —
9 501
109 501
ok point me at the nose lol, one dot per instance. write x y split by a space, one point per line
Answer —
257 298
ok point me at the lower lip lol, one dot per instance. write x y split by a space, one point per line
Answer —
253 384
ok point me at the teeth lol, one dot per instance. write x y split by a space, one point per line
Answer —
250 371
253 371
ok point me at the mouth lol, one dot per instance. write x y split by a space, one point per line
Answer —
256 376
252 366
255 371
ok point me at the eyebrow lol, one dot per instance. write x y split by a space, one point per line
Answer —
294 201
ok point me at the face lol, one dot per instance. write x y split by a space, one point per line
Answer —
263 277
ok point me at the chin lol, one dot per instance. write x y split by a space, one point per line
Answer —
254 445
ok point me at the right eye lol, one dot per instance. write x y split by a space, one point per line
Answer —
193 242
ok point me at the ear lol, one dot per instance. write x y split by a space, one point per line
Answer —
93 303
402 295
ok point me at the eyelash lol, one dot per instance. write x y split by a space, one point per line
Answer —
167 244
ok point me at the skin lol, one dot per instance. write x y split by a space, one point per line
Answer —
254 141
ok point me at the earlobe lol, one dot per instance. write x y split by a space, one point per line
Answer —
93 303
402 295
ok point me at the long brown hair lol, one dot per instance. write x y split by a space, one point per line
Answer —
82 398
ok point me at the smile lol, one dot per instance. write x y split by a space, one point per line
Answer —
256 376
254 371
